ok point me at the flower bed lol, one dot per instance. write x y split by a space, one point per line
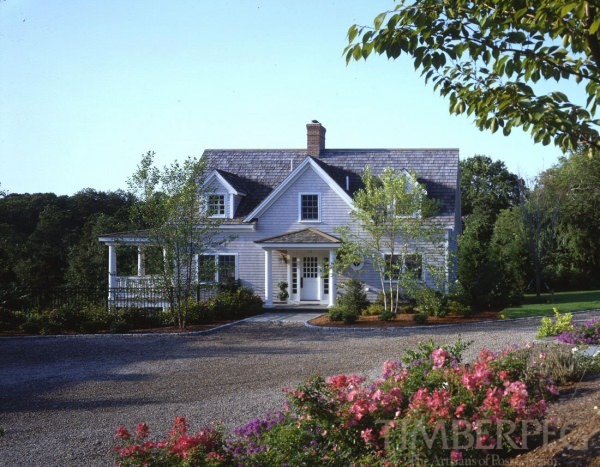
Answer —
587 334
427 408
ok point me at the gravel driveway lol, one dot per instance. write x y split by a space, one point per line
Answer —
61 398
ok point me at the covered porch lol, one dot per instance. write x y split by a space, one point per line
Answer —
131 289
309 255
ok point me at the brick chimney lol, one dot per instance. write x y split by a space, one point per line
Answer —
315 136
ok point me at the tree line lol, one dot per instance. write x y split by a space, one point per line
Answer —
48 241
532 236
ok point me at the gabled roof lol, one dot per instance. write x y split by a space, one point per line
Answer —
280 189
308 235
232 183
260 172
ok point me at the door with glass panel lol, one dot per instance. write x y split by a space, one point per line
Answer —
309 279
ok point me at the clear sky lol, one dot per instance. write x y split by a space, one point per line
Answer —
88 86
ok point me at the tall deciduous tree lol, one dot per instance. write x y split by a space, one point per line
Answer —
574 185
486 58
173 207
540 216
391 231
487 188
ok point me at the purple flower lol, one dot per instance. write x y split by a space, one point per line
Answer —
586 333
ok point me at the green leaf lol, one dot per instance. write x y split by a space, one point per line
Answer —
352 33
379 20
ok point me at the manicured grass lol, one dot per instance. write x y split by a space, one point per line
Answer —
564 301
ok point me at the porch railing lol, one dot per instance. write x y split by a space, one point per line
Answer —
132 282
138 296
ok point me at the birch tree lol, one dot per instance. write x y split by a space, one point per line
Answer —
391 230
172 206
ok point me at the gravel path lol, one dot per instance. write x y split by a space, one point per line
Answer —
61 398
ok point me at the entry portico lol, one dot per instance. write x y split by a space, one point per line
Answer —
309 255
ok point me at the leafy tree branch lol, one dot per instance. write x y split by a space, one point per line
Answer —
486 58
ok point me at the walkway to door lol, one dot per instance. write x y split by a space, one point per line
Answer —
284 317
281 313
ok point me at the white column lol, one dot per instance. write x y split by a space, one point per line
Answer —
332 279
289 276
141 261
268 278
112 270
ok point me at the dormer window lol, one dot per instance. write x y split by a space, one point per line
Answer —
310 207
216 205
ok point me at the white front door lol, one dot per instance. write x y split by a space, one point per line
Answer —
309 283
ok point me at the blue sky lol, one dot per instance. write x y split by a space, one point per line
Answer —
88 86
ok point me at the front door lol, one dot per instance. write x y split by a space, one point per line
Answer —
309 283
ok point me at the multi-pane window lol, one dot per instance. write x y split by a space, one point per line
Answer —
393 264
413 264
216 205
325 277
206 268
294 275
309 207
226 269
216 268
310 267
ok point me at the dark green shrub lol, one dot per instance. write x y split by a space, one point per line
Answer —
10 320
405 305
386 315
119 327
354 298
95 317
283 291
31 326
141 318
200 313
430 301
92 326
51 328
235 303
457 308
42 322
349 316
374 309
335 313
407 308
421 317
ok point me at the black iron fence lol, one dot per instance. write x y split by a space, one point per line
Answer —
27 299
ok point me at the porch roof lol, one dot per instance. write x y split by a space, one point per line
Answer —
131 237
309 236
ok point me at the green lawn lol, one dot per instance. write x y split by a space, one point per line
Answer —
564 301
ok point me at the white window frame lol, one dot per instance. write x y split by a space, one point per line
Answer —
224 204
215 256
319 207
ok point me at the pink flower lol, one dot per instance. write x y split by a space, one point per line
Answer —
456 455
391 368
122 433
439 357
367 435
142 430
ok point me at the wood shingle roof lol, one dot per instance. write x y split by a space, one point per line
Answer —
258 172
